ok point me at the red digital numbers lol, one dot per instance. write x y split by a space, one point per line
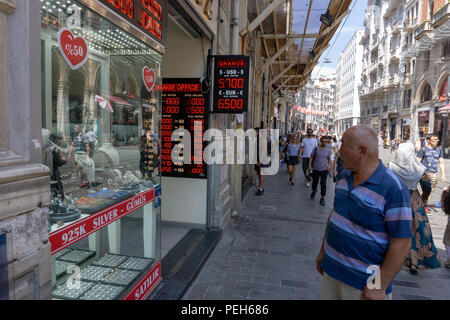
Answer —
231 103
231 83
171 109
197 102
195 110
172 101
124 6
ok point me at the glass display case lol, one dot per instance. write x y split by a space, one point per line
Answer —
100 137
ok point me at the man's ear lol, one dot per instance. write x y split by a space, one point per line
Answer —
363 150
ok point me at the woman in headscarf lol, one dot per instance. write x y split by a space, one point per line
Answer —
406 166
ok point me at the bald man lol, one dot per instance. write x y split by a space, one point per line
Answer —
369 228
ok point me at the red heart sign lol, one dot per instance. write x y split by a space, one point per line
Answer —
74 49
149 77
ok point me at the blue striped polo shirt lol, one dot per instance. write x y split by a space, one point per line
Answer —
363 222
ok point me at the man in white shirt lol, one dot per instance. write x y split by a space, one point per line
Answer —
308 145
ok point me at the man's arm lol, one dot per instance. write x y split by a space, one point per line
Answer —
442 167
335 165
394 260
320 256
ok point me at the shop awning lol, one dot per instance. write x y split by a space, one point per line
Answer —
294 35
117 100
445 109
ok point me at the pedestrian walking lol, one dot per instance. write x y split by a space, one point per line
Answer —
293 152
260 165
320 165
393 145
423 253
369 226
430 157
308 145
445 205
281 148
331 145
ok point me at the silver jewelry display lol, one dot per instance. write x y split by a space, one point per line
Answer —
77 256
93 273
63 291
103 292
135 263
62 252
61 267
109 260
120 277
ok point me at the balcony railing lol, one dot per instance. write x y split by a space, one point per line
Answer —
392 109
441 16
421 30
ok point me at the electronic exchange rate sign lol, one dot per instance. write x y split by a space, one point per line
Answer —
231 82
184 107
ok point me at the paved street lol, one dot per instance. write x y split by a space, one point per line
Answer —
269 252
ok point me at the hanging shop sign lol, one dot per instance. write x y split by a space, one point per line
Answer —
424 115
149 16
74 49
149 78
66 236
231 82
184 107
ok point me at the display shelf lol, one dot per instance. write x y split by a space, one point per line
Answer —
116 283
70 233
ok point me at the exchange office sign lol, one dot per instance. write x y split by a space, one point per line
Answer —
150 16
231 82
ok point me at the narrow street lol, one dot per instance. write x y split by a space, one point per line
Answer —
269 252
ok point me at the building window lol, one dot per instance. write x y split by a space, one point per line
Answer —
426 94
446 48
407 99
426 61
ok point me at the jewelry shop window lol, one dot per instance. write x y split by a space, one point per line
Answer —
100 138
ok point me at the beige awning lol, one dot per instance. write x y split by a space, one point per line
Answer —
294 37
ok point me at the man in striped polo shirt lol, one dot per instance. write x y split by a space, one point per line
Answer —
369 227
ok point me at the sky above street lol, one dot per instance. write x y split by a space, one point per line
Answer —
341 38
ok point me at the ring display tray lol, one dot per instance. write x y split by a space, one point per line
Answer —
102 292
63 291
61 268
62 252
120 277
77 256
94 273
136 263
110 260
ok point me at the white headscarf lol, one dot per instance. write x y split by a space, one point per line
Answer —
406 165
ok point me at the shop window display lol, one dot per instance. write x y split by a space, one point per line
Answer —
100 138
